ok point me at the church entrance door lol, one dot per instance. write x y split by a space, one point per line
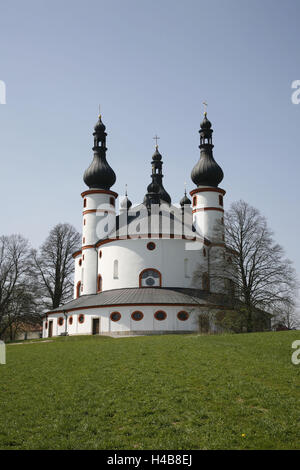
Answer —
50 329
96 324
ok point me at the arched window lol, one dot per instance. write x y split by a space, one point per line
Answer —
84 202
194 201
99 283
116 269
205 282
60 321
71 320
112 201
78 286
186 267
150 278
221 200
81 318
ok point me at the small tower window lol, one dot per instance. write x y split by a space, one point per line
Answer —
100 254
84 202
71 320
83 240
204 252
116 269
84 221
221 200
78 286
80 262
194 201
112 201
99 283
151 246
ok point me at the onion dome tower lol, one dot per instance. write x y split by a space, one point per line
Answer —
156 193
185 201
206 172
126 203
207 197
98 203
99 175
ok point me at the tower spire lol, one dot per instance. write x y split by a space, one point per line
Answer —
206 172
99 175
156 192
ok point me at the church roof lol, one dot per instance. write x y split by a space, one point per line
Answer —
136 296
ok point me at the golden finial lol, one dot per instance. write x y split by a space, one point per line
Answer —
99 112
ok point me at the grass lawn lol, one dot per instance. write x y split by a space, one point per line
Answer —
152 392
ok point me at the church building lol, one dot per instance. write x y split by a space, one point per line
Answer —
146 269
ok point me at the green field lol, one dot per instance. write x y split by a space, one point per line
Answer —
152 392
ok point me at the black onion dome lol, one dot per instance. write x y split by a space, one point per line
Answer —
153 188
99 126
156 156
206 172
205 124
99 175
185 200
164 196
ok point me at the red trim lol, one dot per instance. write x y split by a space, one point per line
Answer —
183 319
92 211
77 253
86 247
201 190
114 313
208 209
135 305
99 191
147 269
143 236
160 319
137 319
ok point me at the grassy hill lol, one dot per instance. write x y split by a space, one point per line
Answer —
159 392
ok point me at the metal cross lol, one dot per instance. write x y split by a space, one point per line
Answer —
156 139
205 109
99 111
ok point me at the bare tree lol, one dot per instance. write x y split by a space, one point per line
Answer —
253 270
263 277
54 265
17 294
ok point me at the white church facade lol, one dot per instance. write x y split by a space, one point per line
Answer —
145 269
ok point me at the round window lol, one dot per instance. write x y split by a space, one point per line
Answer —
183 316
81 318
70 320
115 316
151 246
137 316
60 321
160 315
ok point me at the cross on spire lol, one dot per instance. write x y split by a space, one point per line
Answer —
156 138
205 108
99 111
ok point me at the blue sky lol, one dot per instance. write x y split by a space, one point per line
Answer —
150 65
